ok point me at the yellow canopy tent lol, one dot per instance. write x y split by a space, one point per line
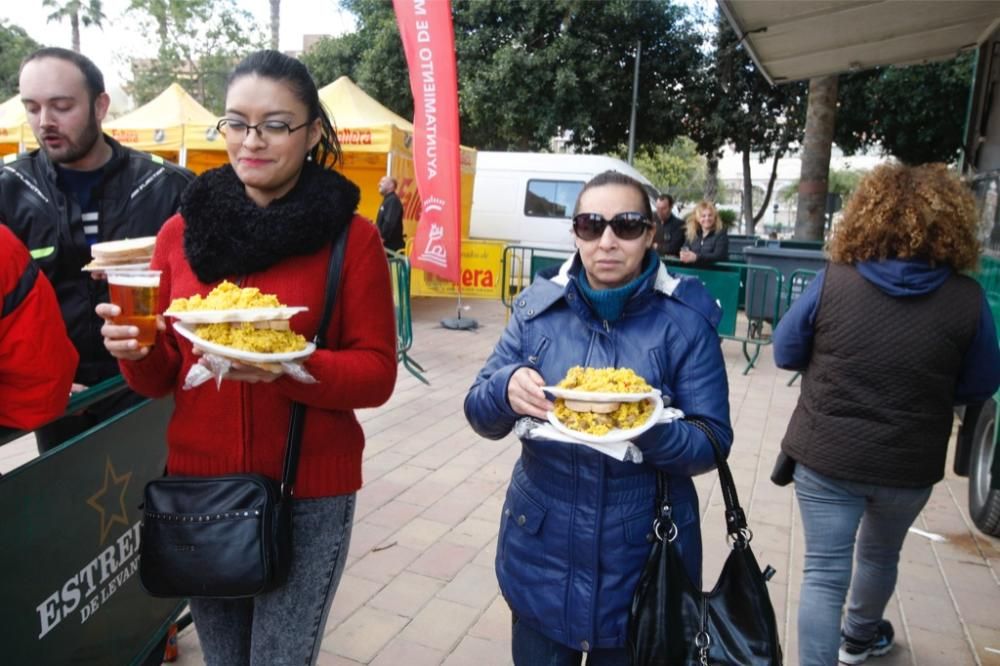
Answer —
376 142
14 130
162 125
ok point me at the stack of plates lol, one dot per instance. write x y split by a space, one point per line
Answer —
127 253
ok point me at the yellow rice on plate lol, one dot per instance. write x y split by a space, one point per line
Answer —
245 336
252 337
227 296
604 380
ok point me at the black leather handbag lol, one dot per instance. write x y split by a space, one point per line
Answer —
226 536
784 470
674 623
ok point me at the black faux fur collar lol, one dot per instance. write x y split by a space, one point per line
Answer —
227 234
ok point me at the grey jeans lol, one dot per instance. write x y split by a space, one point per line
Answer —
284 627
844 520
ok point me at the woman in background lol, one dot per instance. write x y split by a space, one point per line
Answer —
890 337
707 241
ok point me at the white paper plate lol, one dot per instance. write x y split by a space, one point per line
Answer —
595 396
94 267
615 435
244 314
186 331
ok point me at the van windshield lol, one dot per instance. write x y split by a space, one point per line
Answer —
551 198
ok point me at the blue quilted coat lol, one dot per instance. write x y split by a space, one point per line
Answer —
576 525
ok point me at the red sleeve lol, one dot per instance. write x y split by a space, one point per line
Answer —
361 371
37 359
156 375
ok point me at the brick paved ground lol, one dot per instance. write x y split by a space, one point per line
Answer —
419 586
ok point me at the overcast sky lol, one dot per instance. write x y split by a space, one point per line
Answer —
119 39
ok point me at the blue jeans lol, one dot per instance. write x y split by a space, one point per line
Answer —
284 627
531 648
832 511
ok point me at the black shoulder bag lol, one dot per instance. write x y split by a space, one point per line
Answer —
227 536
674 623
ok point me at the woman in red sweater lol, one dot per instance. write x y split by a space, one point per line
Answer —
267 220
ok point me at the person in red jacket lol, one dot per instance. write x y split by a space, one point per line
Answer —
267 220
37 359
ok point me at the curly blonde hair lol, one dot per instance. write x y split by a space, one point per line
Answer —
903 212
692 221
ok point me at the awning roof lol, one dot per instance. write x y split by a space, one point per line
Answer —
790 41
171 108
351 106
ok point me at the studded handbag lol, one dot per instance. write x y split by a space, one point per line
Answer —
226 536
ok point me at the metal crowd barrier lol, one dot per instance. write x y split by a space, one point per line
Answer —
519 266
69 542
399 271
757 288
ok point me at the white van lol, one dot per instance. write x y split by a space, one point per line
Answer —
528 198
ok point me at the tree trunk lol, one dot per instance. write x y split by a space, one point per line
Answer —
821 115
162 28
747 199
275 22
767 194
711 177
74 23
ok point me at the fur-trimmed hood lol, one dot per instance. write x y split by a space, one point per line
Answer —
227 234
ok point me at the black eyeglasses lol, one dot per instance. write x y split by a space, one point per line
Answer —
272 129
627 226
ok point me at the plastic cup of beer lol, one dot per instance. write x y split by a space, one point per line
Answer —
137 293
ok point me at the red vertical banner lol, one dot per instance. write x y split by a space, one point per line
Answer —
429 43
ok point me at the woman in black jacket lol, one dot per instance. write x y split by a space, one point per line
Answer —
707 241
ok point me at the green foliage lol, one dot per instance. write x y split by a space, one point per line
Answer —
677 169
840 181
728 217
532 70
732 103
88 13
912 113
333 57
198 43
15 44
77 11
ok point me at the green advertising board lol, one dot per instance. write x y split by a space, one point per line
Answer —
69 547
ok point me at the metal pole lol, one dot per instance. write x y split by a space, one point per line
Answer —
635 102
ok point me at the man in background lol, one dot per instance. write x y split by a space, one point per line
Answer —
390 215
670 229
80 187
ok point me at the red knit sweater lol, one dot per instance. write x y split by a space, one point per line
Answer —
242 427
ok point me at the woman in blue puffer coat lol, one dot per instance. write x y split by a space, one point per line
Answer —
575 530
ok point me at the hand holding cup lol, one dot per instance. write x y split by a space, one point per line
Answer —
131 319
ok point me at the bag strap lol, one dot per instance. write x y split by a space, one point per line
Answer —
297 419
736 521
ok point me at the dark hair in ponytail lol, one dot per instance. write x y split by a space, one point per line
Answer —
279 67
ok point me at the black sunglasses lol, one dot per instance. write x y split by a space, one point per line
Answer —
627 226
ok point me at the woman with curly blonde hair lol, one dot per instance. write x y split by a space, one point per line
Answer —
889 336
707 241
